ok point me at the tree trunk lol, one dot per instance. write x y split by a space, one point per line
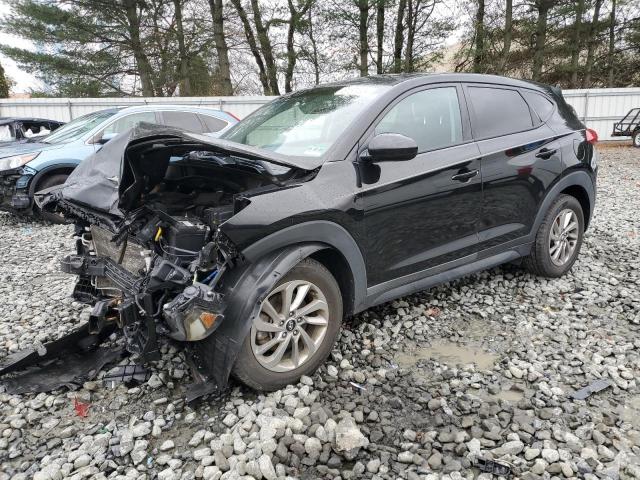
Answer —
408 52
144 66
541 38
379 35
266 49
295 16
508 33
314 50
593 28
253 46
222 50
363 8
612 44
185 86
575 43
478 54
397 49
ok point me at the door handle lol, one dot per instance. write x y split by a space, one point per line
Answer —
465 176
546 153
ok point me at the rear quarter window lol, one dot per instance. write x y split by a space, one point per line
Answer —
212 124
183 120
498 111
540 104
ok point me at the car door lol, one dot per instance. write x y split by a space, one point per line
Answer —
421 213
520 159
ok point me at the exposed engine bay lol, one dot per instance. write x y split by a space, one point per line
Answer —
151 256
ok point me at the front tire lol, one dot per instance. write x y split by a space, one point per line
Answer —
48 182
558 239
298 324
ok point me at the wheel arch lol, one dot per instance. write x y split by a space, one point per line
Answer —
577 183
64 168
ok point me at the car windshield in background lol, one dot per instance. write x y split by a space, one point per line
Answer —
305 124
78 127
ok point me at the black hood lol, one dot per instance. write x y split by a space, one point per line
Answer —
114 178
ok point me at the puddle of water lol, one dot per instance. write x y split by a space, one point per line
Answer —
509 396
449 354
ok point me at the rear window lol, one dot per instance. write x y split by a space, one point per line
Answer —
498 111
212 124
183 120
540 104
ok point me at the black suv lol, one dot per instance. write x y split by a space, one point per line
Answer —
254 247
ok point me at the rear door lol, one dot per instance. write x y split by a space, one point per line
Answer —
520 158
422 213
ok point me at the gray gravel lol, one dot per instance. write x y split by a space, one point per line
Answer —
417 388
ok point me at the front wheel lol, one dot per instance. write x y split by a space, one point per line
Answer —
47 213
558 239
298 324
636 139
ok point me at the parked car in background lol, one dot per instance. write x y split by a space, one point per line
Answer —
28 167
253 247
22 129
629 126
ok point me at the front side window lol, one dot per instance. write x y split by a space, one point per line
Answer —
130 121
431 117
305 124
79 127
498 111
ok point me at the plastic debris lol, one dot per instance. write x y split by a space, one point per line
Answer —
82 409
491 466
595 387
127 374
357 386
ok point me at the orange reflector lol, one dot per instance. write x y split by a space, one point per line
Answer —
208 319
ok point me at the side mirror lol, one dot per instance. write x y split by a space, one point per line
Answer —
390 147
102 138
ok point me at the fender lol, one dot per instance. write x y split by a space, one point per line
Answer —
577 177
244 289
51 168
329 233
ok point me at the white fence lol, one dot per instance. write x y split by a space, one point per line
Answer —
65 109
597 107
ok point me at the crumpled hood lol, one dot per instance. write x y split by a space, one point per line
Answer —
113 179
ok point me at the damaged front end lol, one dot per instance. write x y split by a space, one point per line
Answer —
151 256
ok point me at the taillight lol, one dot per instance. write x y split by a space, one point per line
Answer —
592 136
229 113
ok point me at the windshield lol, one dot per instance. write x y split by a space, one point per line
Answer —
306 124
78 127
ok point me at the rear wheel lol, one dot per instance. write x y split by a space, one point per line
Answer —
558 240
636 139
298 324
48 182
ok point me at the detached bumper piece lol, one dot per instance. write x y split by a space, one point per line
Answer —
67 362
13 195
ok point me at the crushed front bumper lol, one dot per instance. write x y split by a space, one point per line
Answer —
14 191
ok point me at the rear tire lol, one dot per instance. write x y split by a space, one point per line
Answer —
323 298
636 139
48 182
558 239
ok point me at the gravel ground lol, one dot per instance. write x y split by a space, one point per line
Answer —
417 388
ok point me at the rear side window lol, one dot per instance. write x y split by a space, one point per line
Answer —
498 112
431 117
212 124
183 120
540 104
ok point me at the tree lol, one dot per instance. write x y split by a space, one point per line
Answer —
479 34
542 7
4 84
399 36
297 16
508 32
612 45
380 9
223 70
591 45
575 44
